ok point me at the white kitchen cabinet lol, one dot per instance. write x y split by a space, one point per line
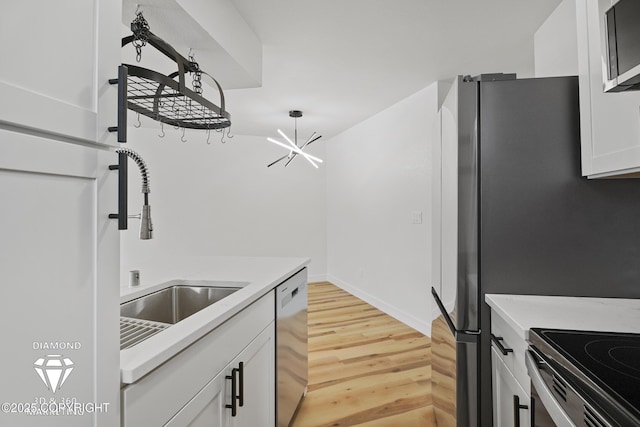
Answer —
510 382
609 122
514 347
209 407
510 402
259 382
192 388
59 260
58 57
59 251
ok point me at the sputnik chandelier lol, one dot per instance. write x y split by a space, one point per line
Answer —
293 147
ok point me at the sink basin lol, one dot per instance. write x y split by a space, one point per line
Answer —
175 303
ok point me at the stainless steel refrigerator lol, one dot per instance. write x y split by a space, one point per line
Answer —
518 218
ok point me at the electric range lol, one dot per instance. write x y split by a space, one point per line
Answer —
584 378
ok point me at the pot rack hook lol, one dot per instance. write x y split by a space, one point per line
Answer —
229 133
139 123
161 135
208 136
182 138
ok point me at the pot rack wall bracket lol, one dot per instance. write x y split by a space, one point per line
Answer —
162 97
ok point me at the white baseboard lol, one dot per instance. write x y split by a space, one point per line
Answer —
317 278
409 320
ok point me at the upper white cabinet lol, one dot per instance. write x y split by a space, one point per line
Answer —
57 59
610 122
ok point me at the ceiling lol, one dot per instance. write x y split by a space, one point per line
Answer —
342 61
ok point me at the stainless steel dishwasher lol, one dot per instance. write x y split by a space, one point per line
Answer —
291 346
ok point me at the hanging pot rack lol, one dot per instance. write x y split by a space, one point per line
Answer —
162 97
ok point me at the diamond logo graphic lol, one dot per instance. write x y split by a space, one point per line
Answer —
53 370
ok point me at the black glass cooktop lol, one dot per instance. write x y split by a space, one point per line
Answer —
611 360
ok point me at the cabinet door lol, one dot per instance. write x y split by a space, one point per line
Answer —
59 56
207 409
258 360
59 295
509 399
610 132
255 387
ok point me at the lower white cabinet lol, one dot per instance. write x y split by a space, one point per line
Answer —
258 405
59 258
195 387
511 384
511 404
207 408
241 395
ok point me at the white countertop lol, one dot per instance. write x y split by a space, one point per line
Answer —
523 312
262 275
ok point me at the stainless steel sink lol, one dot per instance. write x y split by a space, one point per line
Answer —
175 303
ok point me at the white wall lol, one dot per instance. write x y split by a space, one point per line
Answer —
556 43
378 174
221 199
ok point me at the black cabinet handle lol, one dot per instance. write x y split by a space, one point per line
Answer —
496 340
241 379
122 169
121 81
516 410
234 396
533 411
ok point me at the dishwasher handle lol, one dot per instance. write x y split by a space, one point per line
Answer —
285 296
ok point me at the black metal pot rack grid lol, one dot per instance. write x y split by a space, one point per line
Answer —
164 99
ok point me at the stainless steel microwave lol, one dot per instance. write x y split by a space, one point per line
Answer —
622 45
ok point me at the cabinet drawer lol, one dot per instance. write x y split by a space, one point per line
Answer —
510 340
162 393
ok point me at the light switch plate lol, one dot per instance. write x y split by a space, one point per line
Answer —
416 217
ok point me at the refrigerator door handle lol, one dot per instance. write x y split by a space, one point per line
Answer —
460 336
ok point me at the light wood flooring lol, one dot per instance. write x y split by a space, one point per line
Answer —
366 369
